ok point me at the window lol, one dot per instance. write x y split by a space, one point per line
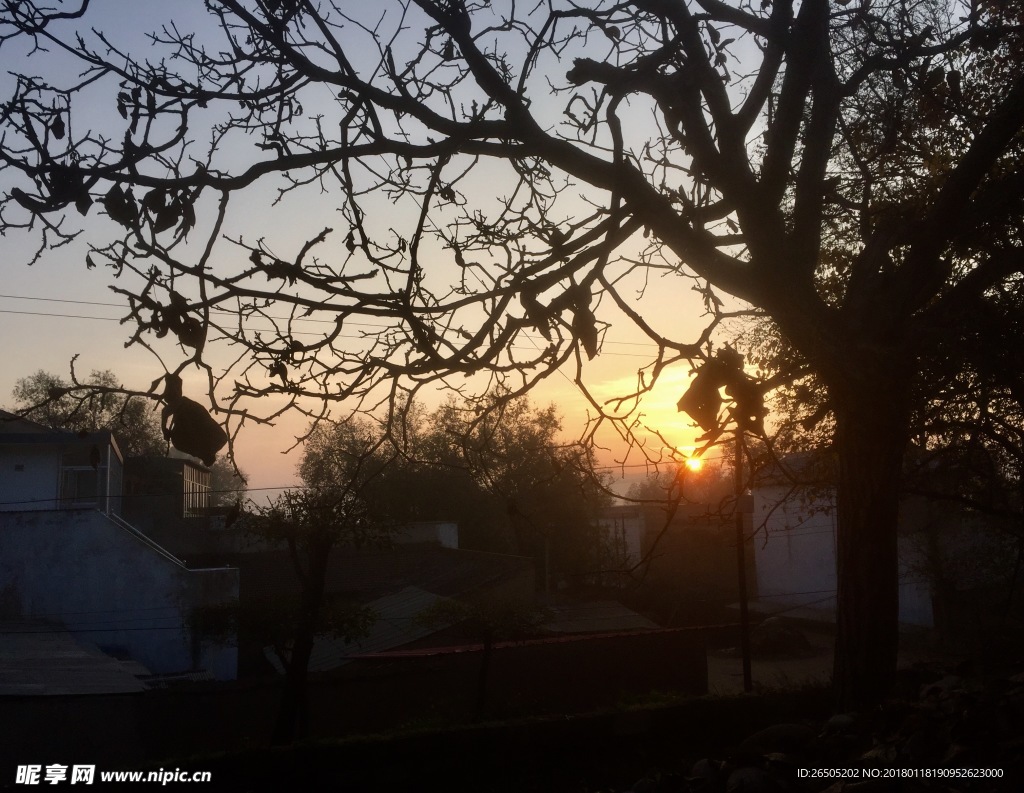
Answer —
79 487
82 477
197 491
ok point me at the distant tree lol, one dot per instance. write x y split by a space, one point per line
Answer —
334 509
661 494
503 472
98 404
227 484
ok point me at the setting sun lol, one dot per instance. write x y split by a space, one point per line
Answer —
694 463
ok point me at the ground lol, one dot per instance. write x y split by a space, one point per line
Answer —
782 671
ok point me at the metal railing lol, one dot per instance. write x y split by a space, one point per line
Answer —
117 520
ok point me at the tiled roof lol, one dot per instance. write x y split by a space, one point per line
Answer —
603 616
397 623
37 659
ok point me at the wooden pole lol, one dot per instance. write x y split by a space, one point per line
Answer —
741 564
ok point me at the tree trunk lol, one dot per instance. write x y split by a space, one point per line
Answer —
293 716
481 681
871 432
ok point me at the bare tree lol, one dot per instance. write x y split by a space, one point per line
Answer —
849 169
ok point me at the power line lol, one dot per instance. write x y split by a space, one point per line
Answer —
229 311
115 319
290 333
251 489
121 305
62 316
299 486
62 300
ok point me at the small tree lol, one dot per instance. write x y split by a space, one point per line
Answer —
490 620
334 510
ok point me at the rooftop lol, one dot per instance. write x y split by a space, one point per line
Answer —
39 659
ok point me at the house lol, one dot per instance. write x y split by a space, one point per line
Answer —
794 543
434 532
36 659
794 549
70 559
395 583
169 499
45 469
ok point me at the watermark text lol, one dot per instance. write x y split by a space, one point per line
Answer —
56 773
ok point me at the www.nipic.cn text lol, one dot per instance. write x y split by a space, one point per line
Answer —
87 775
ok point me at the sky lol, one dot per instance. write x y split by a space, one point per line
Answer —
57 309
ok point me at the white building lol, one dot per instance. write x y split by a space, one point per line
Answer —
69 559
794 544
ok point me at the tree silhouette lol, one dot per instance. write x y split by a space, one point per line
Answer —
90 406
502 175
505 476
335 509
546 492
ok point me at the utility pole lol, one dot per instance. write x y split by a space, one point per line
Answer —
703 402
741 564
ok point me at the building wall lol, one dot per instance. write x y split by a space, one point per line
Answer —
79 569
156 502
33 487
795 555
33 475
794 549
438 532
